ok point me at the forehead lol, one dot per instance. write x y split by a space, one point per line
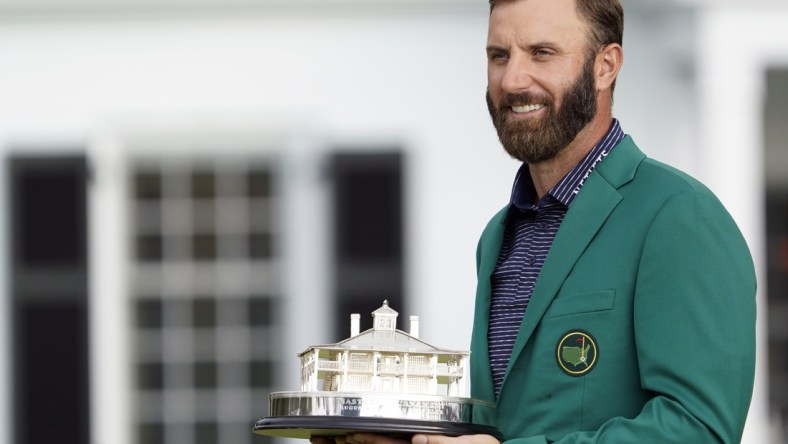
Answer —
536 20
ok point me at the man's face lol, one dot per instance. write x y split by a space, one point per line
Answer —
541 90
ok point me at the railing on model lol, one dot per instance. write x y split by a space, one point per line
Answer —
386 368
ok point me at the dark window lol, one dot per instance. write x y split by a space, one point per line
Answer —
147 185
259 310
260 183
206 433
150 433
260 246
204 325
368 234
150 376
203 185
204 247
775 115
150 247
49 207
149 313
204 312
49 299
205 375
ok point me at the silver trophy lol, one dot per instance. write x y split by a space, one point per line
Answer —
382 380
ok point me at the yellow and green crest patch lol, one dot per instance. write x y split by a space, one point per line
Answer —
577 353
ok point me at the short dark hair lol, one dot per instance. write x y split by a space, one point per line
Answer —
605 20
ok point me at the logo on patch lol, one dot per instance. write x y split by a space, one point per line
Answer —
577 353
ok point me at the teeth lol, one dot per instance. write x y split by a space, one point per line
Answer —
526 108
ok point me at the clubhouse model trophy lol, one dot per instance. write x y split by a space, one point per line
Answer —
383 381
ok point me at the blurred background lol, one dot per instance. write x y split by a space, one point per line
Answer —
196 190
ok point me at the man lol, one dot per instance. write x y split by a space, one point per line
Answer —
616 296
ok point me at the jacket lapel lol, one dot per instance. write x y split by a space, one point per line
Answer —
588 212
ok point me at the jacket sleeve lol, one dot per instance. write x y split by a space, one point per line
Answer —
694 327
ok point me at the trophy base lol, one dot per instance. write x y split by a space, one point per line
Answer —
304 427
306 414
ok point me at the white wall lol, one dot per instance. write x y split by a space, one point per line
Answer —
656 97
415 79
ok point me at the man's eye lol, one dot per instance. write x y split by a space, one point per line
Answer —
497 55
542 52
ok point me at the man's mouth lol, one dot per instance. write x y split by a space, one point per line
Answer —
527 108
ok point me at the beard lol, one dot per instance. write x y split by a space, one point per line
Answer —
538 140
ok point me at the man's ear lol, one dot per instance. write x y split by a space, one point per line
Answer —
608 64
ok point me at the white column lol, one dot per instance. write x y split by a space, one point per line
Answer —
375 378
110 364
304 363
434 380
466 376
304 247
306 374
453 388
345 364
315 366
406 358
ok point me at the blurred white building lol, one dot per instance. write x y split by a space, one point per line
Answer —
207 128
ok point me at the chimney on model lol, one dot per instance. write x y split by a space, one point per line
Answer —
414 326
355 324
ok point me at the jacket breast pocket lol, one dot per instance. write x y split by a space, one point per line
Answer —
578 303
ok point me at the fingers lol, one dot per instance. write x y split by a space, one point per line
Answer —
338 439
466 439
368 438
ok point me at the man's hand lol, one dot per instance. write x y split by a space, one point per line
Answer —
367 438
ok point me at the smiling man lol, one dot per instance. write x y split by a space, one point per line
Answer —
616 296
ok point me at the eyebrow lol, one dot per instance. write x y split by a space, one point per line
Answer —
530 47
491 48
544 44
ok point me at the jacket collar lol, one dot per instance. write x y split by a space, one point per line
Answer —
596 200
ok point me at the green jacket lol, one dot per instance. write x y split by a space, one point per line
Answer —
641 326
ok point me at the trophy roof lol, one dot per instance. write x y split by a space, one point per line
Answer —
376 340
385 310
384 336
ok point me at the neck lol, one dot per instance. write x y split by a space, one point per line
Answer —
547 174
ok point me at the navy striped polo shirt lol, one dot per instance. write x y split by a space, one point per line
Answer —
529 233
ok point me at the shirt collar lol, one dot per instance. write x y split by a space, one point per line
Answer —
524 192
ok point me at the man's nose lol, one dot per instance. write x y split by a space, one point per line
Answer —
518 76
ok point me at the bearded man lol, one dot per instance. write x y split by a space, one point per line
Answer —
616 297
